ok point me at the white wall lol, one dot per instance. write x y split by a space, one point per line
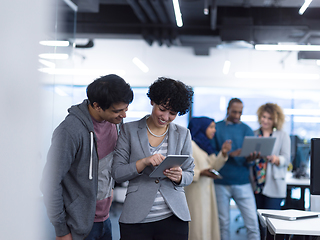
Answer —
21 24
182 64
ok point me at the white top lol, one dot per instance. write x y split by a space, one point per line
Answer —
275 185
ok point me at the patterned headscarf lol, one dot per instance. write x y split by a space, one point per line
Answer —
198 127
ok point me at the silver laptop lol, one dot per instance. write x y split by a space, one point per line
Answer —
251 144
291 215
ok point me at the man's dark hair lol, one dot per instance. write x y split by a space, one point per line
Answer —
172 94
234 100
108 90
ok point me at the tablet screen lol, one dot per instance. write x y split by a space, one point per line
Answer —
169 162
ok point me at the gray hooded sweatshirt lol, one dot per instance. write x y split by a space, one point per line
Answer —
70 177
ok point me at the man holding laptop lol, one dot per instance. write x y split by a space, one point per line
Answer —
235 182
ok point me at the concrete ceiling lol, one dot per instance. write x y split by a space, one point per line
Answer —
227 21
110 33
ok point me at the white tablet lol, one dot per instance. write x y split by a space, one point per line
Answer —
251 144
169 162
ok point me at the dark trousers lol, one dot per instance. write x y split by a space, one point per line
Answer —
264 202
171 228
101 231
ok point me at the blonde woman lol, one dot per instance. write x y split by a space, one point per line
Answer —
268 174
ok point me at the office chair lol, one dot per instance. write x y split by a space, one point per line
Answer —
241 227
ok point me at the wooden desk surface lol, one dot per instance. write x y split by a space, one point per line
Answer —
298 227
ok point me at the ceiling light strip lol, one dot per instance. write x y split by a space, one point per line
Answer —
226 67
60 92
304 6
307 119
268 75
47 63
58 56
301 112
140 65
73 6
177 13
55 43
280 47
82 72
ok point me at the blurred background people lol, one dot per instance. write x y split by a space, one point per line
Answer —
156 208
200 193
268 174
235 182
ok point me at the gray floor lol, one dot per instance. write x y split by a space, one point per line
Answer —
116 208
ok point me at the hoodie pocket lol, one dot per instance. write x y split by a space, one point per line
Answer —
73 204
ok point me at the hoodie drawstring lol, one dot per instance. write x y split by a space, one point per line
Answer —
90 167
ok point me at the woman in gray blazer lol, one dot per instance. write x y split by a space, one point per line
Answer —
268 175
155 208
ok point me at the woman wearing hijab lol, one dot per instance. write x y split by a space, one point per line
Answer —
200 193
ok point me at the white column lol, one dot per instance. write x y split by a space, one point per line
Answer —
21 24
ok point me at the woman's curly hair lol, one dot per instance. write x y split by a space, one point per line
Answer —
276 113
173 94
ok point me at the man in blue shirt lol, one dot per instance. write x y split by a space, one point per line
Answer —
235 182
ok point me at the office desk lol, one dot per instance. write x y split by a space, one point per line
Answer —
292 182
299 182
279 228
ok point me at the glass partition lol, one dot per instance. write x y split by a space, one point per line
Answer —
56 54
300 107
141 106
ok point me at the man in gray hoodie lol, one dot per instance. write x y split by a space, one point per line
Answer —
76 182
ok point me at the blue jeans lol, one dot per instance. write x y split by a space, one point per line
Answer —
244 198
101 231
